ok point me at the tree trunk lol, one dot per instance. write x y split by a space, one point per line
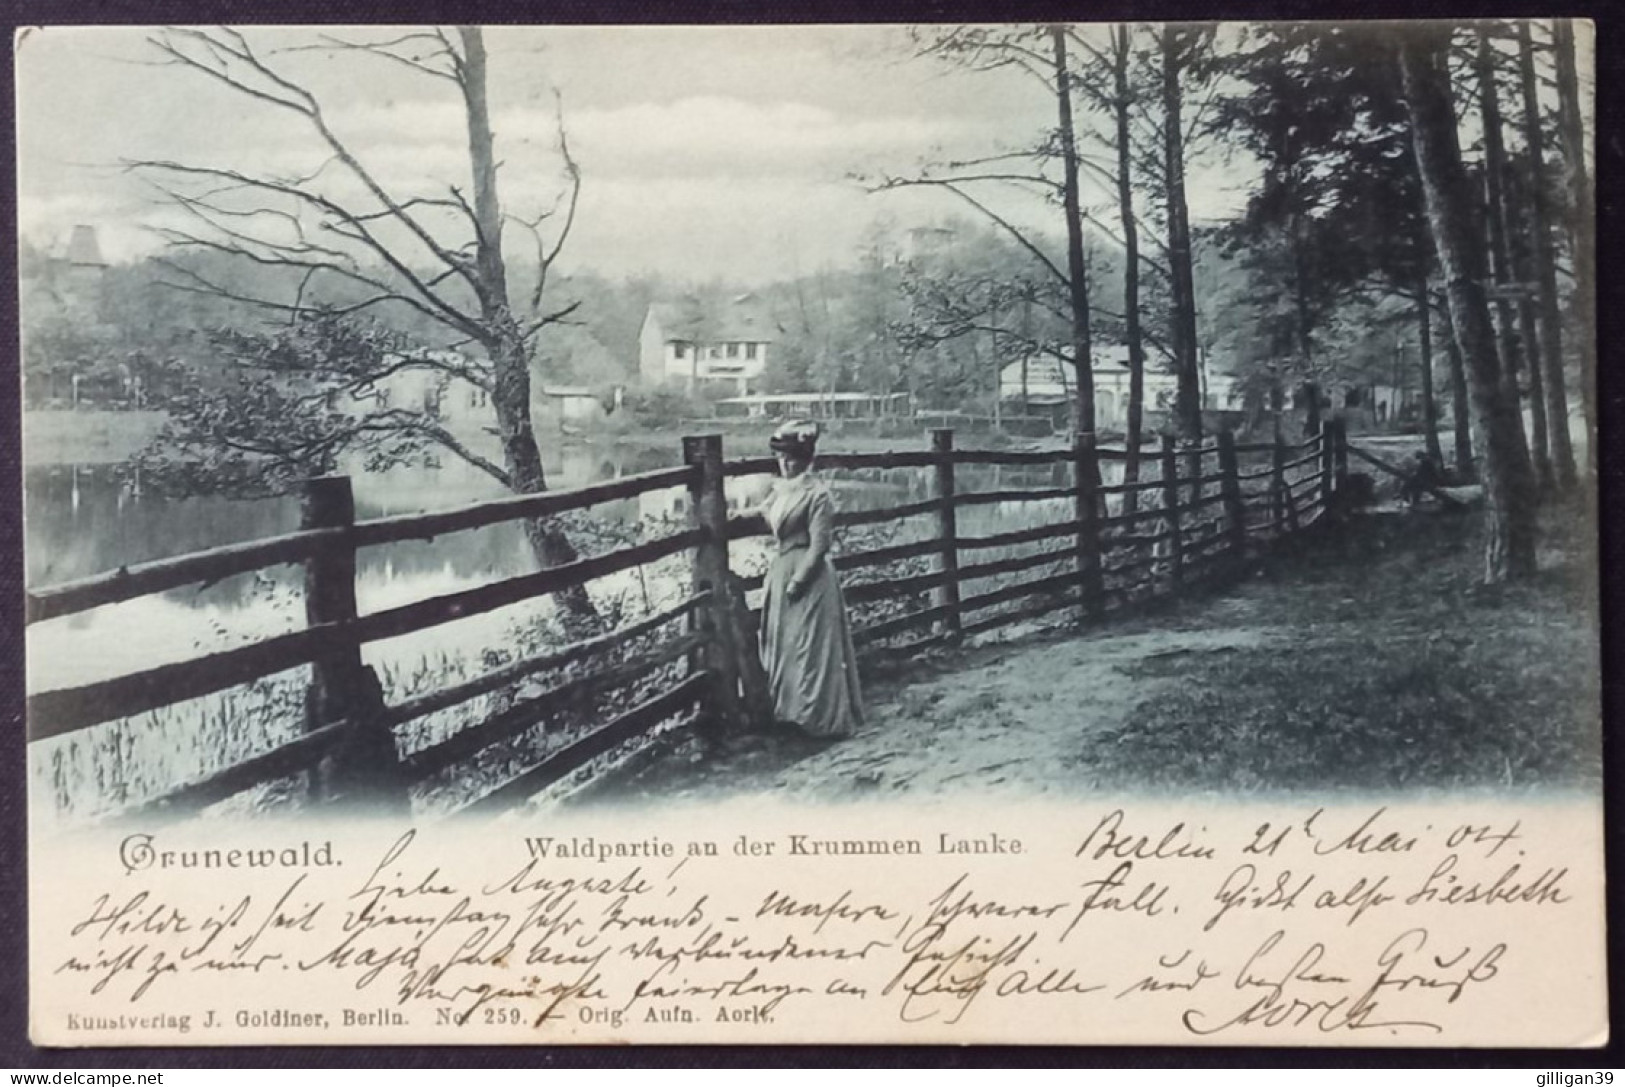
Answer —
1460 406
510 359
998 383
1026 351
1498 217
1508 485
1551 320
1131 266
1529 331
1582 228
1077 276
511 394
1424 338
1187 401
1302 330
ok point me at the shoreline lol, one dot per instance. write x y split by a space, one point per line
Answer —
752 440
66 437
59 438
63 437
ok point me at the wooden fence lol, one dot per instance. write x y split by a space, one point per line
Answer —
1194 513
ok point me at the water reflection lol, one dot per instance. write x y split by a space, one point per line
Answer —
86 520
83 520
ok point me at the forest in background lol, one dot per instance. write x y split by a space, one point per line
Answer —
1418 204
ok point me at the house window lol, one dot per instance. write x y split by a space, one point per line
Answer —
716 352
750 351
679 350
733 350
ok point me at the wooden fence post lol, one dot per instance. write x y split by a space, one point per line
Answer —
1235 514
1340 454
1278 495
1086 493
708 504
1328 459
366 766
947 594
1170 502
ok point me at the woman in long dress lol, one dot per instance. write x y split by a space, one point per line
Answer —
806 639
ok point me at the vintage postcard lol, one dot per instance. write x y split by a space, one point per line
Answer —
989 533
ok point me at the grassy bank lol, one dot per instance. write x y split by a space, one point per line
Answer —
1402 671
87 437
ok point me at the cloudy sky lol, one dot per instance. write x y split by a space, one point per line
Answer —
706 152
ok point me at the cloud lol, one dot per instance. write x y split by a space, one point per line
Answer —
701 136
728 150
719 136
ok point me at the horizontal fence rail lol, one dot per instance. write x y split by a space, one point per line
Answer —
584 650
161 575
426 526
1183 514
69 709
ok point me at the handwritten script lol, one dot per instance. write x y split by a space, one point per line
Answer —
1356 924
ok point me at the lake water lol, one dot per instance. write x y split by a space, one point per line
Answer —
86 520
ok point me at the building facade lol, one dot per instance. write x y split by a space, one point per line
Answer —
1043 382
815 405
694 344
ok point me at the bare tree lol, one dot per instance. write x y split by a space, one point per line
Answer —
435 254
1040 52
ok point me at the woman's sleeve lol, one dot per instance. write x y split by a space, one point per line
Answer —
820 534
759 507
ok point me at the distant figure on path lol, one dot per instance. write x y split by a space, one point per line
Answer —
1424 479
807 649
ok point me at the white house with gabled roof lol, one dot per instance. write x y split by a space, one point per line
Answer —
697 344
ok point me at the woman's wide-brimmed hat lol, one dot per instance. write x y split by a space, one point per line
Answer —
796 436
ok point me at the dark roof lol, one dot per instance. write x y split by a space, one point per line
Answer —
744 319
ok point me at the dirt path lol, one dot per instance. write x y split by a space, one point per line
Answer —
1371 661
1010 717
1014 718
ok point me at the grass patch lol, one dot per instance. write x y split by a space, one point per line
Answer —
1401 671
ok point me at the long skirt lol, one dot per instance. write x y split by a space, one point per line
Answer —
807 652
